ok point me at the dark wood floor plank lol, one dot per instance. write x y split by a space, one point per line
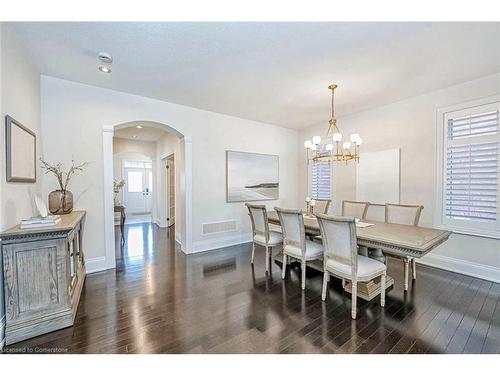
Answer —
459 339
159 300
492 342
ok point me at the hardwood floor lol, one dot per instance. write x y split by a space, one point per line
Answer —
162 301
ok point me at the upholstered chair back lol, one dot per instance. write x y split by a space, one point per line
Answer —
402 214
322 206
339 239
354 209
292 226
258 216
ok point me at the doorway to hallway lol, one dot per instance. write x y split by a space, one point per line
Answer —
170 178
138 187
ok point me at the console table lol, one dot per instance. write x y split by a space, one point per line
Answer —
44 272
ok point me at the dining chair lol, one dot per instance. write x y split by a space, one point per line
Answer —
295 244
261 234
355 209
406 215
341 257
322 206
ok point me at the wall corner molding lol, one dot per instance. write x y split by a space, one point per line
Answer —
108 129
96 265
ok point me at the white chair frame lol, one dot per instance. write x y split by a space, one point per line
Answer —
255 231
406 260
301 244
365 210
353 277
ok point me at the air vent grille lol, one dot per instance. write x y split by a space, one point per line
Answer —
219 227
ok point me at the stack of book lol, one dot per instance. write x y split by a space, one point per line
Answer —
37 222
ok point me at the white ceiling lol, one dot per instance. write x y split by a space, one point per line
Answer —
147 133
276 73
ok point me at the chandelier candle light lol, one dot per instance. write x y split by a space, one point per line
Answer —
318 149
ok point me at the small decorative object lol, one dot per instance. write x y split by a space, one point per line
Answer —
308 205
61 200
41 206
251 177
21 152
117 187
313 203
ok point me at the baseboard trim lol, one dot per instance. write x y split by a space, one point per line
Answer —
95 264
178 240
2 332
221 242
481 271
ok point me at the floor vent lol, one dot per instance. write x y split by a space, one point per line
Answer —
219 227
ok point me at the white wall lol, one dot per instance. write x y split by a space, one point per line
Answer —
411 125
20 98
72 118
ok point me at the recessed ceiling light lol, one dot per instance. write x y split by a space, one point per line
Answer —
134 136
105 57
139 126
104 69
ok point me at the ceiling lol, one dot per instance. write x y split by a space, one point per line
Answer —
146 133
276 73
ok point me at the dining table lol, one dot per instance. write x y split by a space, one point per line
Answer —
394 240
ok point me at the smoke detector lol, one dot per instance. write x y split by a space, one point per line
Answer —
105 57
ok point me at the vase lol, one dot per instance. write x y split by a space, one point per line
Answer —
60 202
117 200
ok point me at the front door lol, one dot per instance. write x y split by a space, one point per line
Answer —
138 186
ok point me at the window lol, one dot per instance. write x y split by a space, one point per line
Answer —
470 170
321 180
134 181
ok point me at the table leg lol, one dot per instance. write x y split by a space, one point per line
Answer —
406 261
122 224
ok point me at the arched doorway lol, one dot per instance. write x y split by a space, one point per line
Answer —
184 219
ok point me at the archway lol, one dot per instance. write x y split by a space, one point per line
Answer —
185 207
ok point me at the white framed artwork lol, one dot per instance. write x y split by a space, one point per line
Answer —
251 176
20 152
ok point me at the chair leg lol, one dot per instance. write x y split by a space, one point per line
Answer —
414 269
405 260
267 259
270 259
303 266
283 270
354 296
326 277
253 252
382 290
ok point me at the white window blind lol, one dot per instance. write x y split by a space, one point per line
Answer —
472 168
321 180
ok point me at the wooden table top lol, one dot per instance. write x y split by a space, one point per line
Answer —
393 238
67 223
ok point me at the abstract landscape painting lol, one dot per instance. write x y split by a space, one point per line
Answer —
251 177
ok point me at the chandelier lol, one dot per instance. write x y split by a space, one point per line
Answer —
330 148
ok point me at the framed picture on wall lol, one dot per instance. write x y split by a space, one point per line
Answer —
251 177
20 146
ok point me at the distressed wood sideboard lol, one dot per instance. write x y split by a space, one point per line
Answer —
44 272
